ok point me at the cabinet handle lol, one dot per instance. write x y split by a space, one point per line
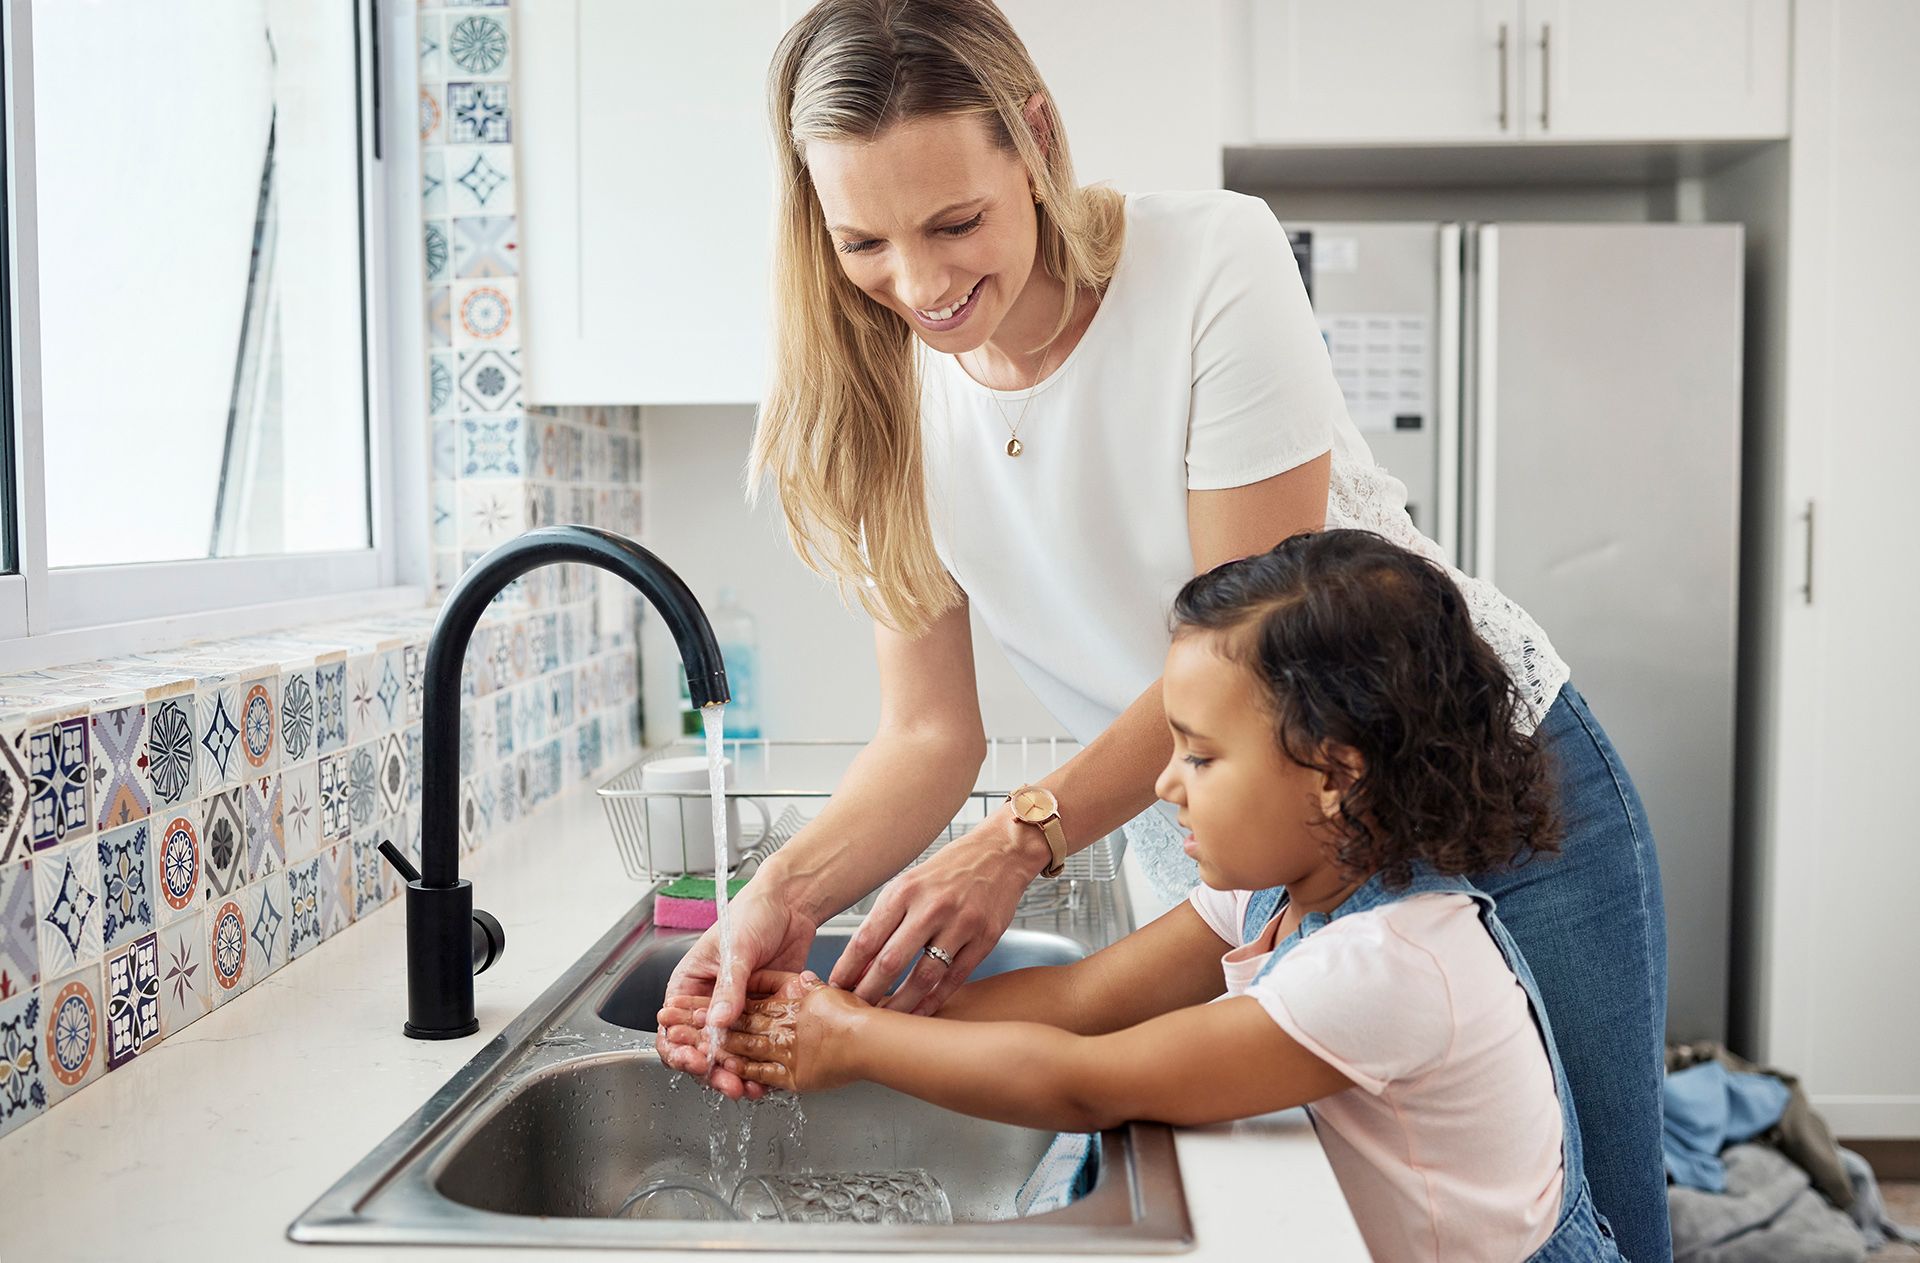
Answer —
1546 73
1806 587
1503 76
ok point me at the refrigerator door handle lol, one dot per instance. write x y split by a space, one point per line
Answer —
1446 522
1486 410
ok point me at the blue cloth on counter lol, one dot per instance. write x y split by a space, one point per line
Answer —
1707 1108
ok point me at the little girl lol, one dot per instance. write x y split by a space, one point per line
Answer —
1344 748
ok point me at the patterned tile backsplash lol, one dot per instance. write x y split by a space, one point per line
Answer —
189 837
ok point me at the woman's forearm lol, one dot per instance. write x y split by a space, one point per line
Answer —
900 791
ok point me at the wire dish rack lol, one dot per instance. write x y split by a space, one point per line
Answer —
791 781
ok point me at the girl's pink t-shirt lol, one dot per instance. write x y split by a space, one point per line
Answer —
1448 1145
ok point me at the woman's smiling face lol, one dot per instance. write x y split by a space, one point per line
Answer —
933 221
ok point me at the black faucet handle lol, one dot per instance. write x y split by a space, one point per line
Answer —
488 935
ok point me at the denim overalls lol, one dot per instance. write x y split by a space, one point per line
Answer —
1581 1235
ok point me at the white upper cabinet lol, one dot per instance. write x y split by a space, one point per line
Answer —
645 184
1390 71
1409 72
1656 69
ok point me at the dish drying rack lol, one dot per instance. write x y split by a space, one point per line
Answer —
793 780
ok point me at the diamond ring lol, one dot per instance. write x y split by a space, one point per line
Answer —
940 954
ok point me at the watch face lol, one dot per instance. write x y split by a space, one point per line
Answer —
1034 804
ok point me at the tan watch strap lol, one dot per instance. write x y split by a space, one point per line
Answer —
1056 844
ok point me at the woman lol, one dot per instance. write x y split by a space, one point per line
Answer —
997 390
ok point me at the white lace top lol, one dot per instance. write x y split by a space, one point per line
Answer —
1203 368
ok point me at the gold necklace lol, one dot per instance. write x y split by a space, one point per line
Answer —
1014 445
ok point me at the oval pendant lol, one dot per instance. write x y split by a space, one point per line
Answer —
1014 447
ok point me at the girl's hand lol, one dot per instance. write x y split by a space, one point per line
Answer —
799 1038
768 934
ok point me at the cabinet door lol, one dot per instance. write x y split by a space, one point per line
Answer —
645 184
1394 71
1655 70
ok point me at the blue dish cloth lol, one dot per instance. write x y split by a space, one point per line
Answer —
1064 1175
1707 1108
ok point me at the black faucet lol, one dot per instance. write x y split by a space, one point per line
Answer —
447 940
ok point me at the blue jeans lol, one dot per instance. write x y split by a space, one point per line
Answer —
1590 922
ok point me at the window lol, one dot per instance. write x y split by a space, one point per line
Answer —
193 204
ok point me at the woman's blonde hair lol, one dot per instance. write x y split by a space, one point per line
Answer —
839 433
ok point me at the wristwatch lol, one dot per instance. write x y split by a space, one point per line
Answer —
1038 807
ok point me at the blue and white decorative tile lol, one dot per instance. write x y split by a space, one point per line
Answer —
131 980
413 678
486 246
433 113
300 810
337 887
392 774
336 791
267 928
223 844
503 726
66 884
59 765
256 703
370 876
303 907
219 757
298 708
480 179
492 447
363 785
439 315
73 1047
433 181
126 890
477 45
491 513
477 113
186 980
23 1087
440 369
227 949
121 793
172 744
433 47
389 690
363 717
179 862
266 828
506 806
443 510
16 796
486 313
415 758
330 707
19 930
436 251
407 833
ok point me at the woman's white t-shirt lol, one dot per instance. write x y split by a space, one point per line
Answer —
1203 368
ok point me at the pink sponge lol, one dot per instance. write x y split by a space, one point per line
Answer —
686 903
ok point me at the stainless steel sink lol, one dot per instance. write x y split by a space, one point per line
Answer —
542 1137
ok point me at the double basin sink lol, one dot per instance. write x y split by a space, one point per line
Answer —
542 1138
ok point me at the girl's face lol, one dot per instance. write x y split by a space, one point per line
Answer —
1252 814
934 222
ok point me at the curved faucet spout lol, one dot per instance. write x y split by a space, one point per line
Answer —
439 956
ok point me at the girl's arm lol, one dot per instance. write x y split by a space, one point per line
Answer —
1198 1065
1171 964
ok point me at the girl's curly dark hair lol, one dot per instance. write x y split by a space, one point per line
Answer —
1359 643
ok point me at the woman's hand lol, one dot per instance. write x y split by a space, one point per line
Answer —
960 901
800 1038
768 934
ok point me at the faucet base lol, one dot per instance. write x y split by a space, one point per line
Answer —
412 1032
440 961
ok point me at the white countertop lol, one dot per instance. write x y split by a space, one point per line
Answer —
207 1145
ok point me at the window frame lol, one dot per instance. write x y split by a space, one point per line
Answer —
60 616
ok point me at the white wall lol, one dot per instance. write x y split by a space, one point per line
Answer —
816 658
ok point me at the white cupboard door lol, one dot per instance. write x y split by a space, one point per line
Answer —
1387 71
645 184
1631 70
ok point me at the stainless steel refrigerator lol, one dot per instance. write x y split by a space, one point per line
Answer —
1563 403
